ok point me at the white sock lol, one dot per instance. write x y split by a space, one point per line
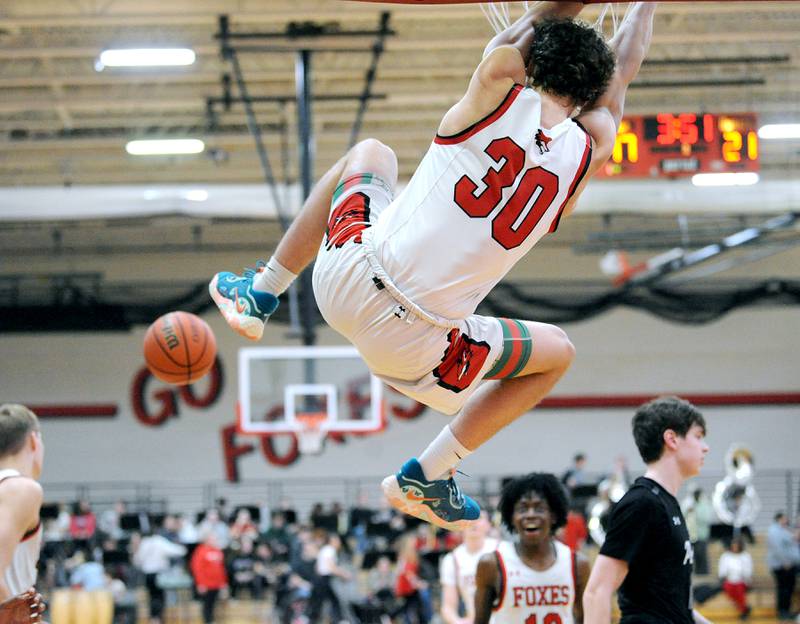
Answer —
275 278
442 455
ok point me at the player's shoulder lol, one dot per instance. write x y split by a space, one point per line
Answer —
640 496
21 491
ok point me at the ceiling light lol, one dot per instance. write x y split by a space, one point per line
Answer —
159 147
779 131
145 57
725 179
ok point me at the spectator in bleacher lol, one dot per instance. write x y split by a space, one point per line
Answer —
575 532
575 475
699 515
264 516
380 589
287 509
170 528
213 523
278 537
457 572
109 521
243 526
152 556
242 566
783 559
83 524
208 570
187 531
327 568
410 588
736 573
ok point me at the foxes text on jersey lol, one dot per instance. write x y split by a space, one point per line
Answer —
531 596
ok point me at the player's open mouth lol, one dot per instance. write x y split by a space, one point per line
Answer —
531 530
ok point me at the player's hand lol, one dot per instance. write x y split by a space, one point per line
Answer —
26 608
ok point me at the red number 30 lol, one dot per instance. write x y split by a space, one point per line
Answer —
550 618
507 227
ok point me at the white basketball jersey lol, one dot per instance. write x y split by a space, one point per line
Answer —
21 575
477 204
458 569
530 596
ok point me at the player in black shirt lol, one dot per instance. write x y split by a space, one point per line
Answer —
647 553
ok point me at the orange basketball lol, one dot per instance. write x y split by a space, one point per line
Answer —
179 348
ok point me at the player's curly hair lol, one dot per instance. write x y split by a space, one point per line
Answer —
570 58
545 485
652 419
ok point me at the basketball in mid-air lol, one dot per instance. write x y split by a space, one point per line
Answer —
179 348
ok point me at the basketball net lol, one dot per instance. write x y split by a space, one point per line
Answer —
311 433
500 18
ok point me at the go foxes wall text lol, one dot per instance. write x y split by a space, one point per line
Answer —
154 404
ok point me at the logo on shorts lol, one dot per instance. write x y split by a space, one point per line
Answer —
348 220
462 361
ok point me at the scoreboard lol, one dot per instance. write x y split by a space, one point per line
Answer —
682 144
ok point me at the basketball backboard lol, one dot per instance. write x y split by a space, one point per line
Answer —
283 389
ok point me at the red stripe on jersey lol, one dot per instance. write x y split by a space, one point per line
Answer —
582 168
516 349
503 580
31 533
483 123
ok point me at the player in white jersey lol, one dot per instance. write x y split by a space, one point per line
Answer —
457 571
535 579
21 457
401 278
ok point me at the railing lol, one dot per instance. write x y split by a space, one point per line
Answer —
777 489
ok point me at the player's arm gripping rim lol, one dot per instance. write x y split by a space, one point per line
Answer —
602 118
487 588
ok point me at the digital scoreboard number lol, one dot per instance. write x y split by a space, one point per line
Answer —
682 144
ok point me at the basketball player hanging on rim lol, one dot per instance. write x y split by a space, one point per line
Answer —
534 579
401 278
21 457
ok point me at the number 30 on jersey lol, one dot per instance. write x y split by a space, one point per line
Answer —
509 227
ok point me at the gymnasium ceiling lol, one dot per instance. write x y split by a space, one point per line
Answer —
64 124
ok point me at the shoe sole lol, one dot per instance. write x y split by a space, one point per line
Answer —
246 326
391 489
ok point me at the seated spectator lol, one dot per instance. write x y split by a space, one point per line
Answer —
243 526
243 575
278 537
187 531
213 523
109 523
82 525
736 572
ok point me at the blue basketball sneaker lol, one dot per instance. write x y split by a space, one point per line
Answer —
245 309
439 502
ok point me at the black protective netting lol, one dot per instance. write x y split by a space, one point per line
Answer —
123 307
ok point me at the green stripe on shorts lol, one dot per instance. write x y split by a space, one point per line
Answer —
507 348
527 347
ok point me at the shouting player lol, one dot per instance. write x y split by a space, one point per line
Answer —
535 579
21 457
401 278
